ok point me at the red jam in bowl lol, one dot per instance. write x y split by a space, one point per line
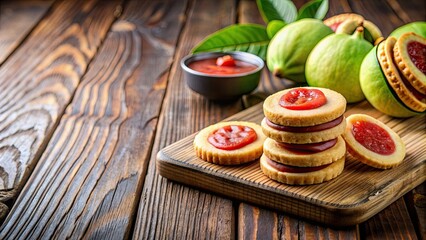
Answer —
225 65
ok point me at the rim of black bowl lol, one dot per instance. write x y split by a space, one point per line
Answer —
204 55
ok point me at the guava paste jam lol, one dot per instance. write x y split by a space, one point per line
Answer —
293 169
309 147
303 99
417 53
225 65
373 137
314 128
232 137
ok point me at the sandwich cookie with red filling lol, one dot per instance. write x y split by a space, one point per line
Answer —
304 127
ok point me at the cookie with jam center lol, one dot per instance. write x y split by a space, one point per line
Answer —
225 155
411 98
372 142
333 108
408 47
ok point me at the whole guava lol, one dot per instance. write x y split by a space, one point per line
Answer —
273 27
335 63
376 90
416 27
291 45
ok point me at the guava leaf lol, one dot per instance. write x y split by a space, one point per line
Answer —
250 38
284 10
314 9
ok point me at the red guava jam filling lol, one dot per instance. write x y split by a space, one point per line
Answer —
310 147
293 169
222 66
417 53
315 128
232 137
302 99
373 137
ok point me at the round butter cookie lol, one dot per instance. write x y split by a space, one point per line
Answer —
230 143
372 142
303 137
403 60
301 176
276 152
334 107
413 99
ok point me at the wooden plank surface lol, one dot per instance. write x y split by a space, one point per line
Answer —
101 146
383 226
257 223
39 80
417 206
172 211
97 211
17 19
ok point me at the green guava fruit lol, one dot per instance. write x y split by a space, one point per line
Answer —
375 88
336 20
273 27
289 48
348 22
417 27
335 63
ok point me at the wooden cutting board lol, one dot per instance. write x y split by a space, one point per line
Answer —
356 195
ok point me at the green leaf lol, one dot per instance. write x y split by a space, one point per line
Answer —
250 38
284 10
314 9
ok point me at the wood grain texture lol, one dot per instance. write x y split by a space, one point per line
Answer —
256 223
418 203
17 18
383 225
172 211
415 203
101 146
39 80
98 154
388 14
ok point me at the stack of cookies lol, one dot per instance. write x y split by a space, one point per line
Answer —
304 128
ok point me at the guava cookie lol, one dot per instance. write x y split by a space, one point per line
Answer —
304 106
372 142
230 143
305 155
301 135
301 175
410 58
304 115
412 98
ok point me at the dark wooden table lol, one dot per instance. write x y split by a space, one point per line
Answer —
91 90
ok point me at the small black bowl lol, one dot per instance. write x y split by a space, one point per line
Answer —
222 87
